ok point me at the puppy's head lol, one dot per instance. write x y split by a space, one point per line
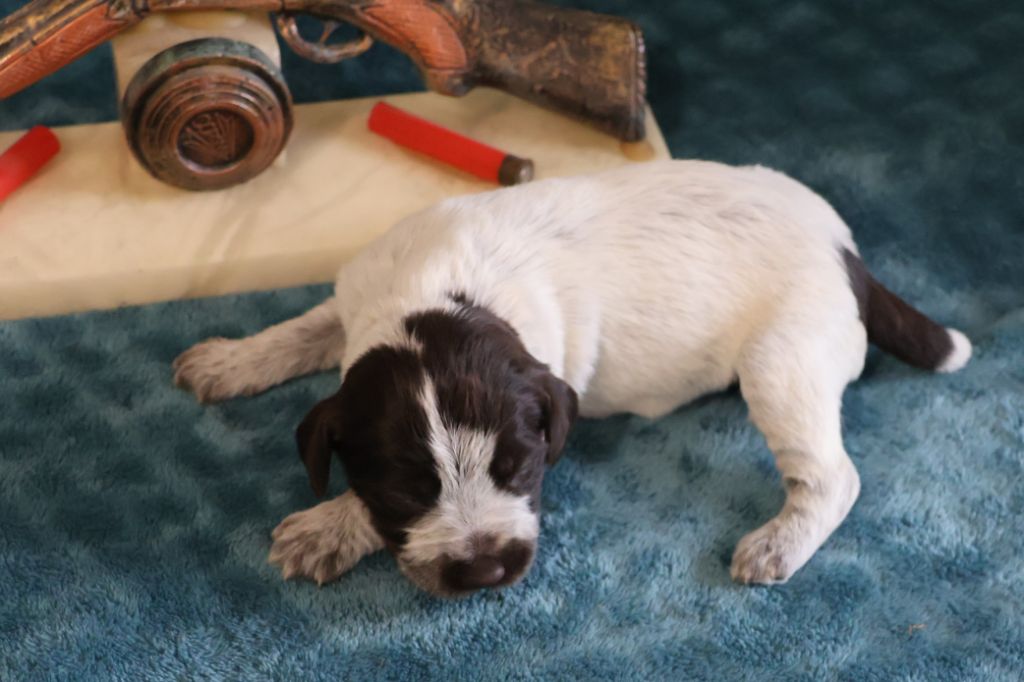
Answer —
445 440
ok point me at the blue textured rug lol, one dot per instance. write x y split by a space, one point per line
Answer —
134 525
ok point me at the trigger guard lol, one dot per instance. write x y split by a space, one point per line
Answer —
319 52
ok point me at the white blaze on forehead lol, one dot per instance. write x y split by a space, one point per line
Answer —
469 504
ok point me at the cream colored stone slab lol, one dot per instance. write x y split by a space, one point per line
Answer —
93 230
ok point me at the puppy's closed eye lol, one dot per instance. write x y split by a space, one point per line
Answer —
504 467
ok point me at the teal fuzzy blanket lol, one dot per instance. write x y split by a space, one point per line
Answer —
134 524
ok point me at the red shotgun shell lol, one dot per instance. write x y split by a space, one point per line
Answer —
448 146
25 158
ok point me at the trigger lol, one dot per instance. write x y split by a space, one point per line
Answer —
320 51
330 26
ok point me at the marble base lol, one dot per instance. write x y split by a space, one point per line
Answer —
94 231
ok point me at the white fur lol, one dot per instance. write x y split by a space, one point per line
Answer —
470 505
649 286
960 355
325 541
223 368
643 288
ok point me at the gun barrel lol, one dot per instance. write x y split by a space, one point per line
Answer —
45 35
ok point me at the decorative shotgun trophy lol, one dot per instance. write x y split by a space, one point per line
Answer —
211 113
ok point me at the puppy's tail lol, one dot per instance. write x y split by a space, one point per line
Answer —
900 329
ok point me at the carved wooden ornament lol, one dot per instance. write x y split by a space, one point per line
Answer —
207 114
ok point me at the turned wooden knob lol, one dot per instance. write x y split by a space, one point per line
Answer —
207 114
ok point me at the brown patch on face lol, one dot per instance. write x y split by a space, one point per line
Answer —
376 423
486 380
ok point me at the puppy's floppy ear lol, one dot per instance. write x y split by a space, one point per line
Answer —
560 411
317 438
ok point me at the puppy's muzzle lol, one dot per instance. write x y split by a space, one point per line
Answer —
488 568
492 564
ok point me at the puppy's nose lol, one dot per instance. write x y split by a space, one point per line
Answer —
477 573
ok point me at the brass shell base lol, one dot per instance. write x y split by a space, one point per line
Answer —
207 114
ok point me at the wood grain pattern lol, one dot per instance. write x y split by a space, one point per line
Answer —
421 29
29 55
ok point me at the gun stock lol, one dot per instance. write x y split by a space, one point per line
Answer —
584 64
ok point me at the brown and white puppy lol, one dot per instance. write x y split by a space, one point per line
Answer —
446 440
471 334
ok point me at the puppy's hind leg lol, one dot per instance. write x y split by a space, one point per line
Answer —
218 369
793 391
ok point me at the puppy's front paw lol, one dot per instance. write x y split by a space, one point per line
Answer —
304 548
324 542
207 369
770 554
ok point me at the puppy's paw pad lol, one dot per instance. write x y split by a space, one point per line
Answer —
767 556
206 369
305 548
